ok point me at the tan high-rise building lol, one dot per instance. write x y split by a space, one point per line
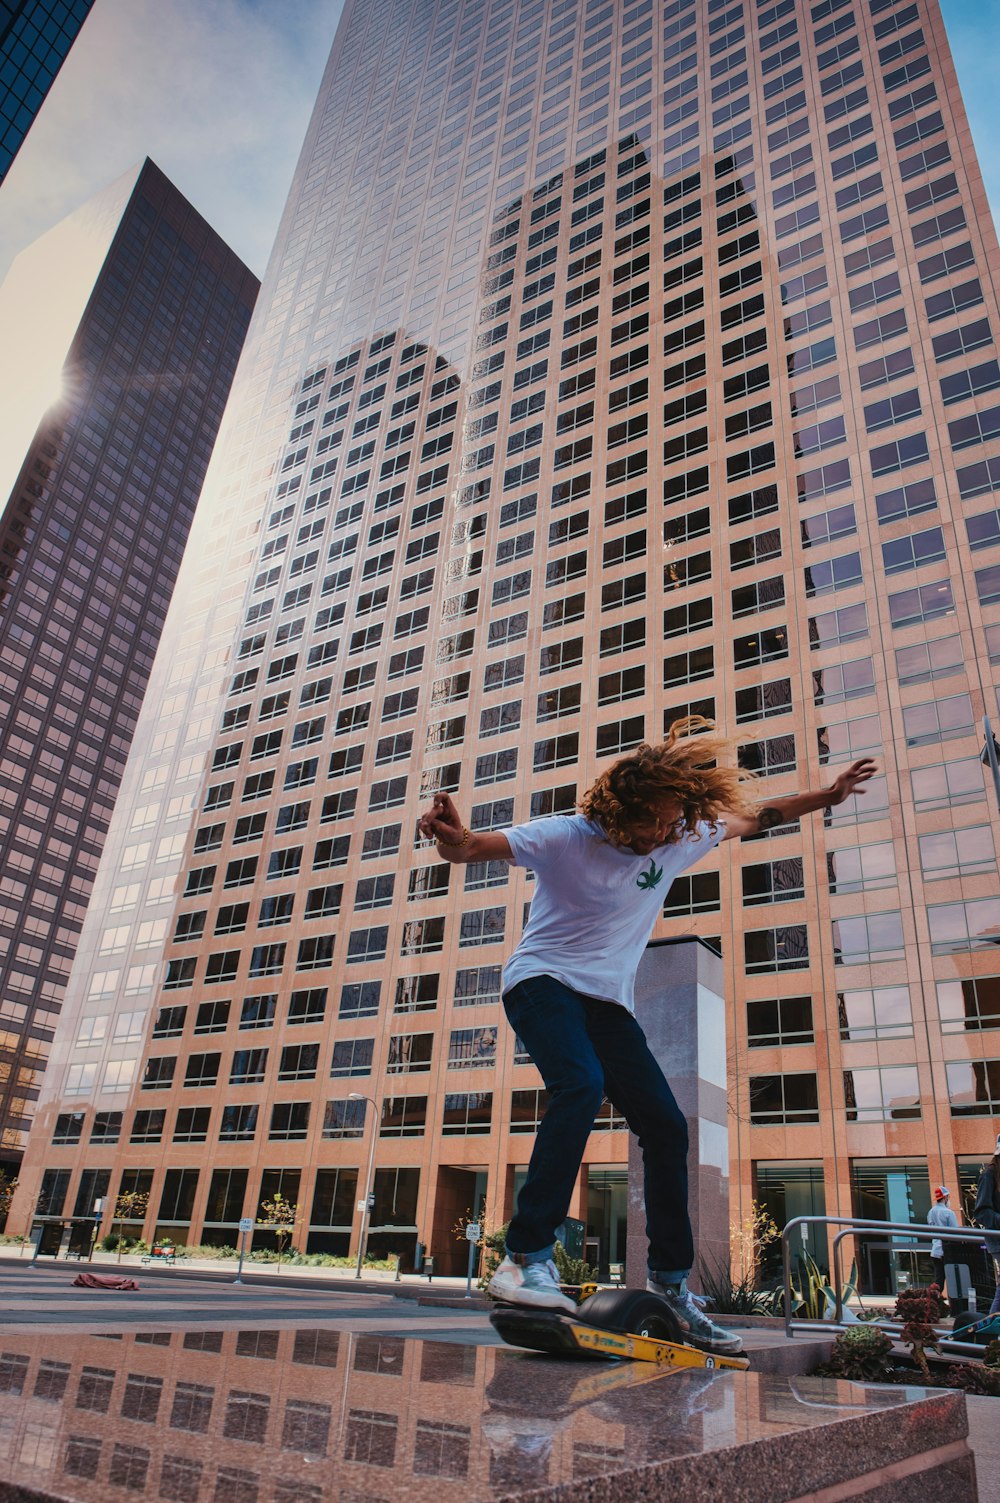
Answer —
613 360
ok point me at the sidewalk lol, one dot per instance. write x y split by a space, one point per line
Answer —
290 1275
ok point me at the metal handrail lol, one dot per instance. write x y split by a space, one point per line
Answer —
852 1227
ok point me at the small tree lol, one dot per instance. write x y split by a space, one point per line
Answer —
279 1216
131 1205
748 1239
7 1188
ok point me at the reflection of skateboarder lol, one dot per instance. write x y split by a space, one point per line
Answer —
601 878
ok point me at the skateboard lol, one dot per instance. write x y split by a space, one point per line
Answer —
628 1324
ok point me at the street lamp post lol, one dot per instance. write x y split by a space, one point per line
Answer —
366 1207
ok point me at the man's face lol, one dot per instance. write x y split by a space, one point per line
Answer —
654 828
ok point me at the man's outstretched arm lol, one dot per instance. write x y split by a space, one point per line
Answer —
778 811
455 841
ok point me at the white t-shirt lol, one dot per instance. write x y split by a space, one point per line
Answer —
941 1215
594 904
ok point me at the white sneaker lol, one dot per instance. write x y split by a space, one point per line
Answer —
536 1284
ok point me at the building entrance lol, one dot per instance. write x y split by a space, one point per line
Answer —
460 1193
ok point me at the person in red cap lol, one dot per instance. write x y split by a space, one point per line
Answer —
943 1253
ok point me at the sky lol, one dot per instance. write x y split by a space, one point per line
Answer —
219 92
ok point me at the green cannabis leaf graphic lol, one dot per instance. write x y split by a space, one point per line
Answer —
650 879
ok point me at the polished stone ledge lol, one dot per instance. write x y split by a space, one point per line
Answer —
300 1416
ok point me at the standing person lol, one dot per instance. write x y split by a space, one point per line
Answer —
601 878
943 1253
987 1215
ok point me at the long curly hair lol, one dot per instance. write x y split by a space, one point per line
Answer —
695 766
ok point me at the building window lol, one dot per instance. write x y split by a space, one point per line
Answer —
773 881
403 1117
352 1057
761 647
957 853
409 1053
527 1109
938 720
147 1126
360 999
697 893
477 986
864 939
969 1005
619 736
843 681
192 1124
239 1123
482 926
862 867
834 628
298 1062
422 936
889 1094
159 1073
367 944
971 925
472 1048
881 1012
783 1100
761 701
779 1021
974 1087
343 1119
466 1113
785 948
289 1121
258 1011
945 783
416 993
775 754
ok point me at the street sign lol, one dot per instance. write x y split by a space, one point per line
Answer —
473 1231
246 1223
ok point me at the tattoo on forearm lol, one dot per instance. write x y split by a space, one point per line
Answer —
768 817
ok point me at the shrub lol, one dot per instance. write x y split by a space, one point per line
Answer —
918 1308
573 1270
737 1296
971 1377
861 1353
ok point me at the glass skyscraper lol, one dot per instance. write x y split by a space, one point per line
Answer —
121 332
614 361
35 37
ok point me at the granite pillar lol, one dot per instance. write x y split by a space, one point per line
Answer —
680 1005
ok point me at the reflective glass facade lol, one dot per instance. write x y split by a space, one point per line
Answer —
91 539
35 36
614 361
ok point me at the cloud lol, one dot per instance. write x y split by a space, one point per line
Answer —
219 95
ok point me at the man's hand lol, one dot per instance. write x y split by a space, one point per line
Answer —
442 821
848 782
778 811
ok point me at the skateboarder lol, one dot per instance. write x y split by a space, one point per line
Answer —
601 877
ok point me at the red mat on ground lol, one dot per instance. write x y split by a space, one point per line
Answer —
104 1281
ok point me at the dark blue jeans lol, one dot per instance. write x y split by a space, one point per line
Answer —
586 1049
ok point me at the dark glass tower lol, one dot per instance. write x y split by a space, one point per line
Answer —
35 37
139 310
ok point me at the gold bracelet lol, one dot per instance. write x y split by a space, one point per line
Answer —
454 843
